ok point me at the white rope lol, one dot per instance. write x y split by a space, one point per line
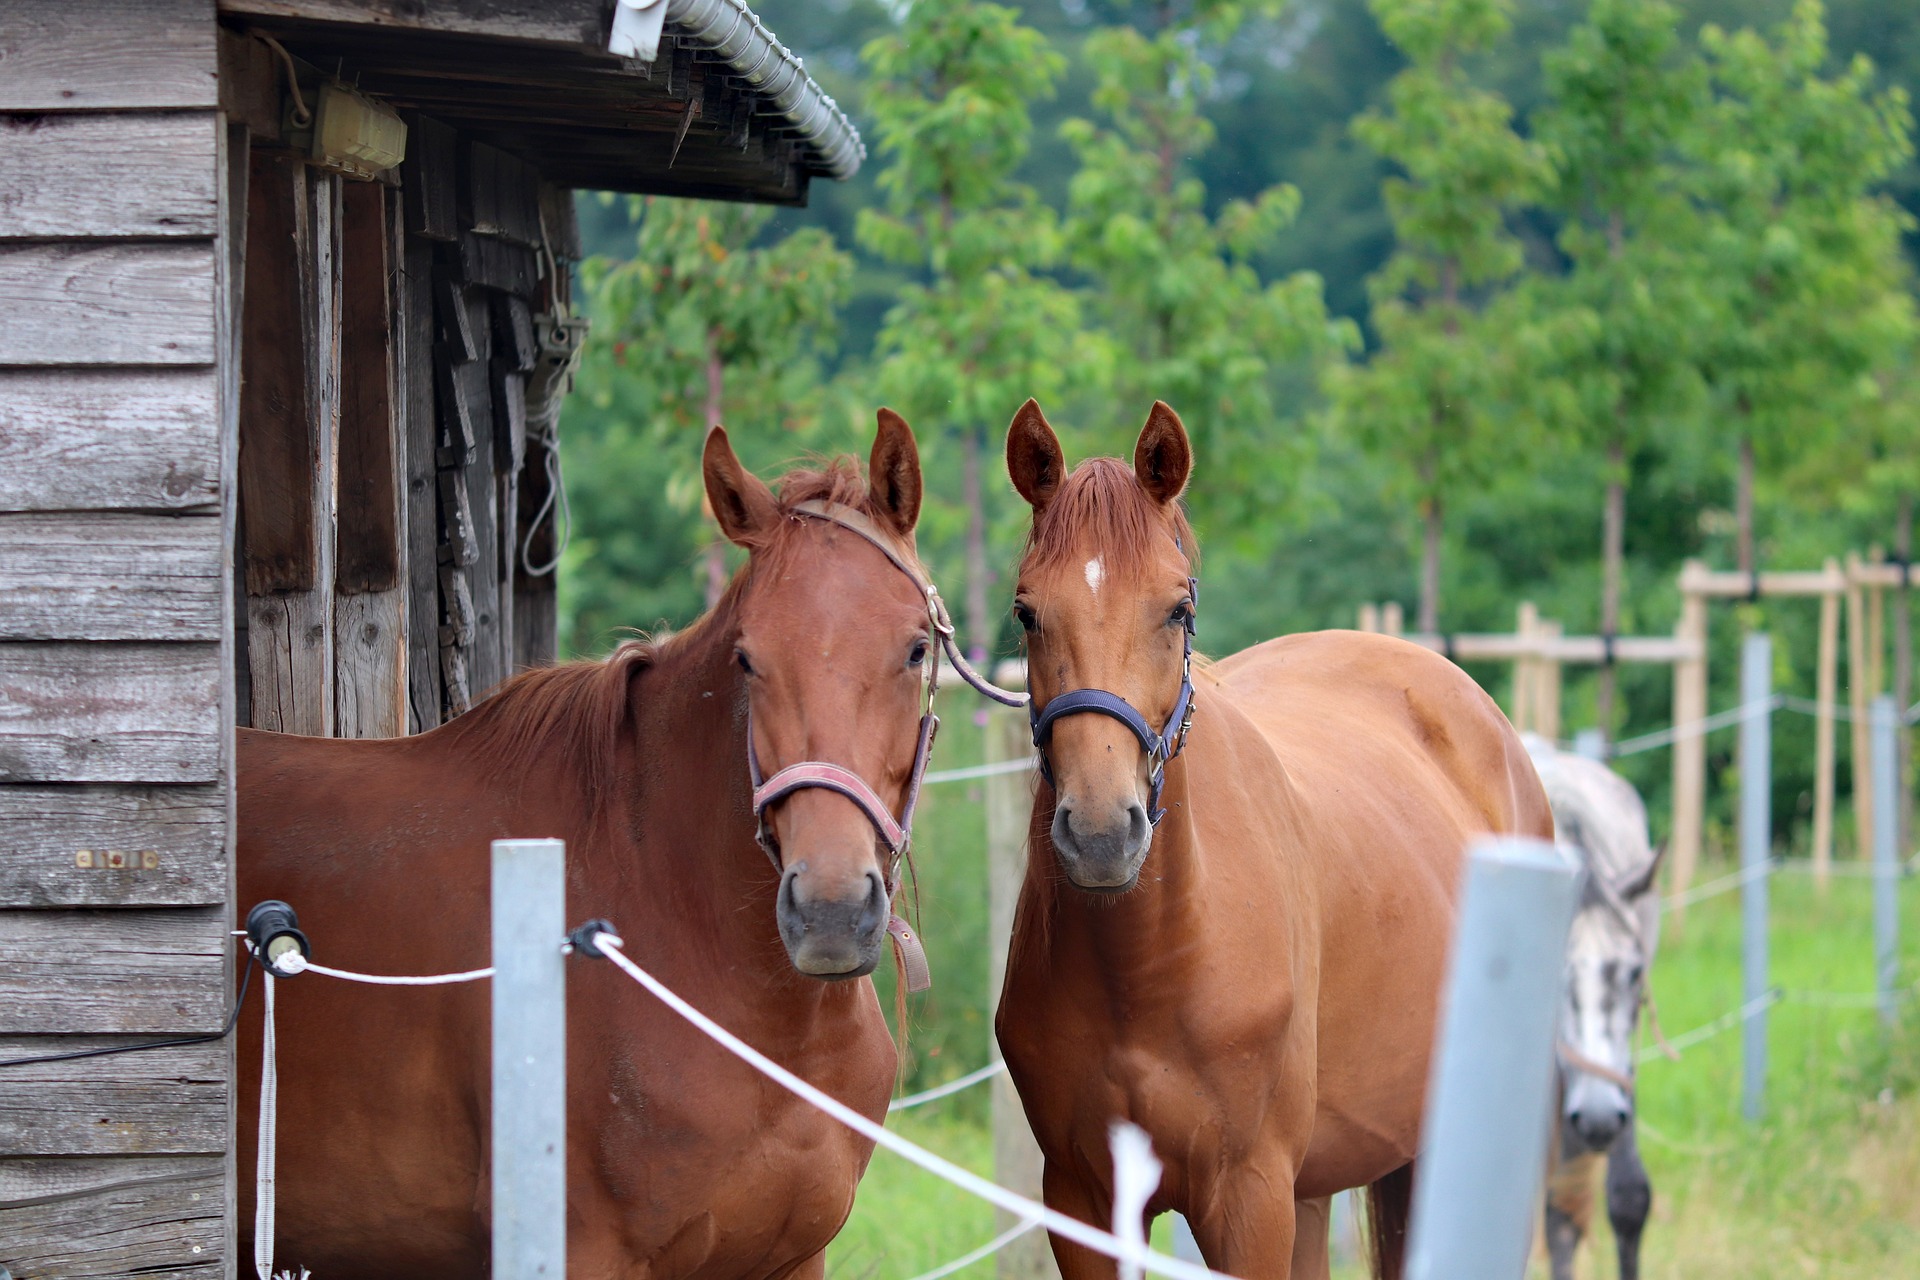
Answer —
1844 999
1695 728
1724 1022
1059 1223
993 770
1713 888
263 1164
1854 868
991 1247
293 962
948 1089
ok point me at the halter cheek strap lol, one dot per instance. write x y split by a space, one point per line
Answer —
1160 747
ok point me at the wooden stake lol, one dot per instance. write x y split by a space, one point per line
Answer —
1858 695
1689 752
1828 662
1390 619
1547 705
1525 674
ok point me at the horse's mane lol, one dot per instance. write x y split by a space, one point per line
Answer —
1102 502
573 714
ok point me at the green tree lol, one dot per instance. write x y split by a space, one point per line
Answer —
1429 398
980 330
1623 98
1177 287
1798 254
702 325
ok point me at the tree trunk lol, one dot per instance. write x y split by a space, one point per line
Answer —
1430 569
1903 668
1612 553
716 545
979 633
1743 504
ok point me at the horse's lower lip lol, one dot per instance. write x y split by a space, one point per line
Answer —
1108 890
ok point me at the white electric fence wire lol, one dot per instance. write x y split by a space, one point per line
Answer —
1713 888
992 770
948 1089
293 962
991 1247
1059 1223
1858 870
1725 1022
1694 728
263 1164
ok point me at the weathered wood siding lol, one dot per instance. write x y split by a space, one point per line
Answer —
115 626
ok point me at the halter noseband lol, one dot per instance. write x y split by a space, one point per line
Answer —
1160 747
896 833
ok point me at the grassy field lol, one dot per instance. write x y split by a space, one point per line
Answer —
1827 1185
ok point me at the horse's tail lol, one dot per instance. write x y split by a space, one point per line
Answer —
1389 1206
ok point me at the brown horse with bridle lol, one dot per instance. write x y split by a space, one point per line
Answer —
1241 879
789 725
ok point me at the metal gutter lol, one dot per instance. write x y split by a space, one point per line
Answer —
730 32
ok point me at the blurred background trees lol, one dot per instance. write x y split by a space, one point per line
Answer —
1466 302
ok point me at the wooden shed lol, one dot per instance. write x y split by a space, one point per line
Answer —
284 327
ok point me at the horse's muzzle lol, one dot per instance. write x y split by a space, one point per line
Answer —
832 938
1596 1111
1102 854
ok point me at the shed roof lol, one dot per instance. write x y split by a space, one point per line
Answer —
723 111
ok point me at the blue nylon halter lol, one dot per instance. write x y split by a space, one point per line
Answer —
1160 747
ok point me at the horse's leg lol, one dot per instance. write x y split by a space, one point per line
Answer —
1629 1199
1248 1227
814 1268
1066 1193
1312 1231
1569 1210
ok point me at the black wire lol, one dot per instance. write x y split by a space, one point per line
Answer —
246 978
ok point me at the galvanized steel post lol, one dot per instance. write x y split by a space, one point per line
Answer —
1886 854
1489 1099
529 1060
1756 853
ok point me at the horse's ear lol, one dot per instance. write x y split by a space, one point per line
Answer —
1163 457
741 501
1034 457
1644 881
893 473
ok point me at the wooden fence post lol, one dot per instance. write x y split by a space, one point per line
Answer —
1689 750
1547 703
1016 1156
1526 672
1859 692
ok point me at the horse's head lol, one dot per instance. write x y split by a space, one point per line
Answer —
1608 951
1106 598
833 638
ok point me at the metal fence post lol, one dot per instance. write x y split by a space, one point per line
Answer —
1756 851
1886 854
529 1060
1489 1098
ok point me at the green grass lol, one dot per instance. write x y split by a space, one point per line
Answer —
1826 1185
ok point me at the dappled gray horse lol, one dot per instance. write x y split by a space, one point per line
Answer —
1599 818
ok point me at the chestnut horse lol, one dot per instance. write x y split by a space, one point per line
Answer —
1260 993
681 1160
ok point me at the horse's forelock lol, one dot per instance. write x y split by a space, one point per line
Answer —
1102 510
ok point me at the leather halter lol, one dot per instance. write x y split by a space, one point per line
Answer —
895 833
1160 747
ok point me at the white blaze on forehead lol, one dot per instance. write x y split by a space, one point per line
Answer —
1095 572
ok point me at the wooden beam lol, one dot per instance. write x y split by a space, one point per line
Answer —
99 1217
61 56
108 440
110 576
430 178
112 846
88 712
1698 580
413 335
582 23
146 972
158 1102
147 303
1689 753
126 175
1501 646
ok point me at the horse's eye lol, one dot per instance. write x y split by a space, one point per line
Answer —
917 654
740 656
1634 975
1181 615
1023 612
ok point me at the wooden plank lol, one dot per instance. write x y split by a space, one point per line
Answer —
561 22
132 972
462 392
513 341
110 576
110 713
370 664
107 303
509 421
97 440
486 659
143 846
501 196
69 176
497 264
413 334
155 1102
558 220
1739 586
250 86
456 316
429 176
458 545
1826 685
368 551
63 56
282 443
536 622
290 662
159 1216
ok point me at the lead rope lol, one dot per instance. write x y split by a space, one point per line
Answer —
263 1168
